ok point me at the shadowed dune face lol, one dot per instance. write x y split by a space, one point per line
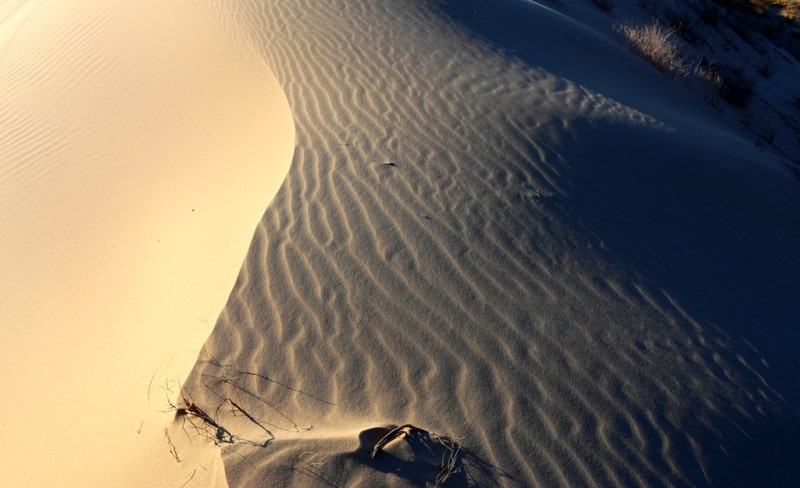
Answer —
584 289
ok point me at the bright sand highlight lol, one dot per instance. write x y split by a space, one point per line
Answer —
139 146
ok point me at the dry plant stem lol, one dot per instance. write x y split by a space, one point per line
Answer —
191 410
251 419
222 434
273 407
299 459
295 427
396 433
190 478
236 373
230 376
449 459
172 449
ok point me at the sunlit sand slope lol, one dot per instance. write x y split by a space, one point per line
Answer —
139 145
502 227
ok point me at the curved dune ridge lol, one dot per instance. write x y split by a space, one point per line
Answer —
139 144
582 290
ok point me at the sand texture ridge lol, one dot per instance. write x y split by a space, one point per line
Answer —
503 228
139 144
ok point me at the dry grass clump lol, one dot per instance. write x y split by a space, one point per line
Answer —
789 9
708 72
658 45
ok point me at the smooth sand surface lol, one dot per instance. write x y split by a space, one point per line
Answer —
139 144
503 227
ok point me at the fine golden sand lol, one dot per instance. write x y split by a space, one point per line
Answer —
139 143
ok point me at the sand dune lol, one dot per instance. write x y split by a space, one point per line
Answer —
507 252
139 143
546 251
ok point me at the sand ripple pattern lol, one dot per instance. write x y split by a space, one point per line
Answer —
445 253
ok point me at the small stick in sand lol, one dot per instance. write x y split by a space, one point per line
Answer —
172 449
190 478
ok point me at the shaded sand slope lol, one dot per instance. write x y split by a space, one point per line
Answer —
534 244
138 146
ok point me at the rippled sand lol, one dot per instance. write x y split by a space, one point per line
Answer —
501 227
504 251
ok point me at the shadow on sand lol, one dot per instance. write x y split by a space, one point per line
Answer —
424 458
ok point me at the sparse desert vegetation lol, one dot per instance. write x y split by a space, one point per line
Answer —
658 45
740 56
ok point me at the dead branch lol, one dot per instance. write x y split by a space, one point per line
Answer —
172 448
